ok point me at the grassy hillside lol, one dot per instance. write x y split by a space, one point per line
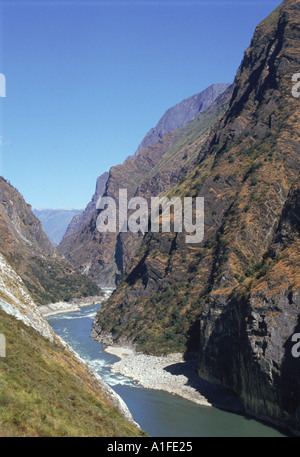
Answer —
45 391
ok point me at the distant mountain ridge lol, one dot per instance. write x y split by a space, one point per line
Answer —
173 119
79 219
55 222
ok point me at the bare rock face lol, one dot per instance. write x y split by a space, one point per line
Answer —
234 298
182 113
246 337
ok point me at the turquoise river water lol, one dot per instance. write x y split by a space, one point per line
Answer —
158 413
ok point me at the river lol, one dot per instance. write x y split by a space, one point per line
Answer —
158 413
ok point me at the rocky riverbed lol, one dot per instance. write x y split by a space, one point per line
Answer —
75 305
172 374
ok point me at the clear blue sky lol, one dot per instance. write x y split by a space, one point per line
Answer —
87 80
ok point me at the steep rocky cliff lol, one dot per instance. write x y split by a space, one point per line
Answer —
234 298
182 113
25 246
104 258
